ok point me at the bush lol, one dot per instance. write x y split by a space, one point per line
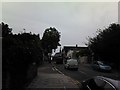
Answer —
19 52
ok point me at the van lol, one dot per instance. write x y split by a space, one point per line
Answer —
71 63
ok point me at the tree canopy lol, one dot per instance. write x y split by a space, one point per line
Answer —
50 39
5 29
20 48
106 44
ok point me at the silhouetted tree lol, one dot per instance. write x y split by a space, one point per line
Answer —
106 44
6 30
50 39
19 51
82 52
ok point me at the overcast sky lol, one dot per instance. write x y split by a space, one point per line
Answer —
75 21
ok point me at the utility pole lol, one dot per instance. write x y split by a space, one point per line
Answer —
24 30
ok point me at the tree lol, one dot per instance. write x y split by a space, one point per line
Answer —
83 52
5 30
50 39
19 52
106 44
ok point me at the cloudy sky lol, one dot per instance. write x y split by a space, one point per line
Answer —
75 21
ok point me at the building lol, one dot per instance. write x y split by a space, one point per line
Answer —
79 53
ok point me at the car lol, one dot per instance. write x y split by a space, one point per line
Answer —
71 64
58 58
100 65
100 83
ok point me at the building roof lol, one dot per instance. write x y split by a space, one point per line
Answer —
73 48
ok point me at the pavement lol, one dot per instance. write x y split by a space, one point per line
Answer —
50 77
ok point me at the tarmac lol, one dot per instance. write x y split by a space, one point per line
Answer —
48 77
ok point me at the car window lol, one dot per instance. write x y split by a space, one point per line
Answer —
72 61
57 55
102 63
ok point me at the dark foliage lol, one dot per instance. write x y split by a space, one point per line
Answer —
19 51
5 30
50 39
106 45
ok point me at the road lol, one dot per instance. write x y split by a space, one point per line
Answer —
49 77
85 71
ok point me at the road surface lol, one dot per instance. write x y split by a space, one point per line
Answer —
85 71
48 77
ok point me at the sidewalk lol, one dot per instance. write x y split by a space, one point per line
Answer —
48 77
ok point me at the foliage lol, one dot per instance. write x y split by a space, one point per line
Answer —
106 45
83 52
50 39
19 51
5 30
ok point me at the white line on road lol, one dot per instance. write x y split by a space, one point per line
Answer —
58 71
75 81
53 69
83 72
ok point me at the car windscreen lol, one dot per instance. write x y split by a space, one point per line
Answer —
72 61
57 55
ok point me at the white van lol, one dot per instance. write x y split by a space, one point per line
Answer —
71 63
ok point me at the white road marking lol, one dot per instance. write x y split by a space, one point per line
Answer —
83 72
53 69
73 80
88 87
58 71
77 82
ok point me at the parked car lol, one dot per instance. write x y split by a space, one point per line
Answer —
58 58
100 83
100 65
71 63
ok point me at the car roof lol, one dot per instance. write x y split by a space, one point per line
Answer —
112 81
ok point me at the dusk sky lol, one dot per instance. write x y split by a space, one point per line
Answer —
75 21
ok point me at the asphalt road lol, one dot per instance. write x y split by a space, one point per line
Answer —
85 71
49 77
